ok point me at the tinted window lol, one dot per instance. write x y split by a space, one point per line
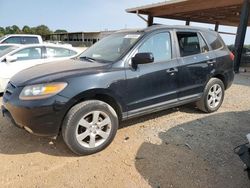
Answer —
159 45
214 41
28 54
203 44
188 43
13 40
59 52
29 40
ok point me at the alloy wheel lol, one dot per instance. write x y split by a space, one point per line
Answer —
93 129
214 96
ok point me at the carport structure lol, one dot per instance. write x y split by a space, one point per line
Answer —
217 12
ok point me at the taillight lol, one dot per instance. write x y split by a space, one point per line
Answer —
231 56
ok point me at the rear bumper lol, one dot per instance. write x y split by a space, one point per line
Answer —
229 76
40 117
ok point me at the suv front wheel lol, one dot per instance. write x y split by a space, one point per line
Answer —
213 96
89 127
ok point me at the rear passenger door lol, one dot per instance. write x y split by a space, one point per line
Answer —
196 63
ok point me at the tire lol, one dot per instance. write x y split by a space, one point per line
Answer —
89 127
213 96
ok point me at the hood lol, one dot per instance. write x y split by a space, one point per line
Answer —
56 70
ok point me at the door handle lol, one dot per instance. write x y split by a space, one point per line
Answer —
211 62
172 70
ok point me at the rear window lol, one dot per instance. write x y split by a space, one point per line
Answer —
188 43
214 41
30 40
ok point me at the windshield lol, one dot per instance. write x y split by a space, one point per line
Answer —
4 47
112 47
8 50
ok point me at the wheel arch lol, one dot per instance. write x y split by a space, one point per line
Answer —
222 78
103 95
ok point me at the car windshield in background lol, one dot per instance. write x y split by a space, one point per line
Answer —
7 50
111 48
4 47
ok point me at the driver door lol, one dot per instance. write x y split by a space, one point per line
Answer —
155 84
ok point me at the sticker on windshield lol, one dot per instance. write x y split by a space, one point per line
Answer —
132 36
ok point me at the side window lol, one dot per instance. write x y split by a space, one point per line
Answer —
189 43
58 52
28 54
72 52
13 40
30 40
203 44
159 45
214 41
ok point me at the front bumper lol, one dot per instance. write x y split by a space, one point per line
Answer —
39 117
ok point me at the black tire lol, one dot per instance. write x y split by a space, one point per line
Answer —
71 125
203 103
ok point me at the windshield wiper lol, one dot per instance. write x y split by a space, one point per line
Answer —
88 58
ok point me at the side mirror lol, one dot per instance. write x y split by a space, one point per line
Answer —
142 58
10 59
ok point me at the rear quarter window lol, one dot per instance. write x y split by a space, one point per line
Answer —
30 40
214 40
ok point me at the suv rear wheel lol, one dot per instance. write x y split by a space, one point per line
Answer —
213 96
89 127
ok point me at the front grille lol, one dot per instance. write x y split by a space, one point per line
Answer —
9 90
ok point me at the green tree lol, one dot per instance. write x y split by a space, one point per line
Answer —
26 29
15 29
8 30
2 31
42 30
60 31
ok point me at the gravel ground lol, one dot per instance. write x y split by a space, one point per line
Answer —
180 147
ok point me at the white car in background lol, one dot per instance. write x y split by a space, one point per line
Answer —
16 59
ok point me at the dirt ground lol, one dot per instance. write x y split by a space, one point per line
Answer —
180 147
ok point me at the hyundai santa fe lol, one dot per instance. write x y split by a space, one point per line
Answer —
125 75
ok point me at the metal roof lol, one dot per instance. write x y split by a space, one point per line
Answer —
223 12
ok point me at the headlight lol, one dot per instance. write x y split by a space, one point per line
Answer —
41 91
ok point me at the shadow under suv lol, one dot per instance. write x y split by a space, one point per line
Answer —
125 75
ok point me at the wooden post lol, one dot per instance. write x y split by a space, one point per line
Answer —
241 34
150 20
216 28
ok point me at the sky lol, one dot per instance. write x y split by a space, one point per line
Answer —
85 15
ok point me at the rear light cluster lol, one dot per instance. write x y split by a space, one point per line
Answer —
232 56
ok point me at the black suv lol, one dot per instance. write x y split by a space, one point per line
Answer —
125 75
